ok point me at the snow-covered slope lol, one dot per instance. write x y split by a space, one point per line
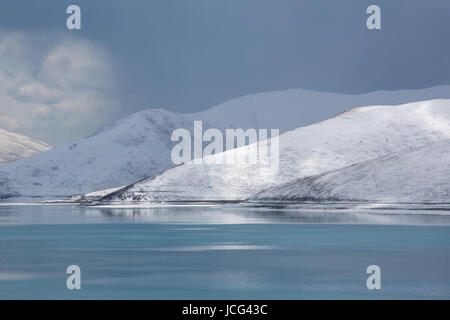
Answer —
139 145
127 151
417 176
15 146
352 137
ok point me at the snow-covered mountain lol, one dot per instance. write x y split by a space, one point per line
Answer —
15 146
418 176
127 151
139 145
352 137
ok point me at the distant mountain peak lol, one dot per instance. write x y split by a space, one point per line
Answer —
14 146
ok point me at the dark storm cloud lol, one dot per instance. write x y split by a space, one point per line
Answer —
189 55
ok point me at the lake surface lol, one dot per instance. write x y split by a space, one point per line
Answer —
228 252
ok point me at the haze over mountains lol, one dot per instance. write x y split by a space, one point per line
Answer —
139 146
15 146
350 138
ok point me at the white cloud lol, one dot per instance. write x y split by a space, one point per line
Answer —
57 90
76 64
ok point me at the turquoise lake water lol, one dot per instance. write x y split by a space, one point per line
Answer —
220 253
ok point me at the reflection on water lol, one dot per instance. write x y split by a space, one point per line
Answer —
227 214
229 252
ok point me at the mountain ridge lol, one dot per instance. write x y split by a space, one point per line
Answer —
14 146
139 145
350 138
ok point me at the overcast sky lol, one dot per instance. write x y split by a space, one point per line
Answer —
189 55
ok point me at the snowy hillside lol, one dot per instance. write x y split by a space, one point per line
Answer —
413 177
127 151
352 137
15 146
139 145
